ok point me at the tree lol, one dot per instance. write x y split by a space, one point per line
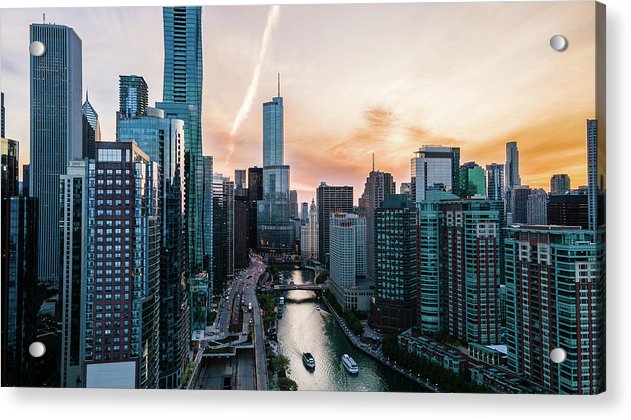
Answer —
322 277
279 363
286 384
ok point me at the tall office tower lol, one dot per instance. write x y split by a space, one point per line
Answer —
240 186
240 231
435 167
182 99
162 140
91 128
304 213
26 177
559 184
472 180
568 210
555 280
537 207
223 232
9 156
309 235
255 193
348 261
19 288
495 181
56 132
293 204
595 175
228 196
121 316
396 282
511 174
133 97
208 222
379 185
406 188
519 204
275 232
471 271
330 199
74 190
2 114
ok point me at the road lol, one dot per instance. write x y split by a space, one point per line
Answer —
239 303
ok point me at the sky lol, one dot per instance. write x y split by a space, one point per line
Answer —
356 80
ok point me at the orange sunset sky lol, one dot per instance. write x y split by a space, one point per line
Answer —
356 79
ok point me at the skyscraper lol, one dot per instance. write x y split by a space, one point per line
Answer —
309 235
293 204
208 222
182 99
330 199
240 186
568 210
56 132
162 140
91 128
472 180
495 181
396 269
559 184
240 231
2 115
255 193
511 173
348 261
379 185
304 213
19 288
133 96
519 204
435 167
223 232
120 322
595 177
537 207
555 280
9 157
275 232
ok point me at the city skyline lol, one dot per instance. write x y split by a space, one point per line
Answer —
385 119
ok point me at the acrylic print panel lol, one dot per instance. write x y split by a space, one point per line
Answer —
383 197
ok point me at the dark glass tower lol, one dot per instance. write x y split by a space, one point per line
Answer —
9 151
56 132
330 199
133 96
91 128
182 99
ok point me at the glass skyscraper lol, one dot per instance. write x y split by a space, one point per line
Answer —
56 131
91 128
161 138
182 99
275 232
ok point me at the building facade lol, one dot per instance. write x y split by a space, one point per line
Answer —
330 199
309 235
91 128
511 174
56 132
537 207
495 181
396 268
555 279
472 180
435 167
559 184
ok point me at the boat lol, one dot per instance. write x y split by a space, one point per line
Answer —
308 361
349 364
318 308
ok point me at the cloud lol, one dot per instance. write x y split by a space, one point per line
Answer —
272 20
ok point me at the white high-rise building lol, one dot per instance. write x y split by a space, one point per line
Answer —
435 167
309 235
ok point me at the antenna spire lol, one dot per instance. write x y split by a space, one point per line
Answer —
373 161
44 17
278 84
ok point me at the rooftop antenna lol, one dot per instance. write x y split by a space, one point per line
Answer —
373 161
279 85
44 17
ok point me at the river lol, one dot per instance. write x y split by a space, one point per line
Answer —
305 329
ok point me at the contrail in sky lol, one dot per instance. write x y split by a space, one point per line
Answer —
246 105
